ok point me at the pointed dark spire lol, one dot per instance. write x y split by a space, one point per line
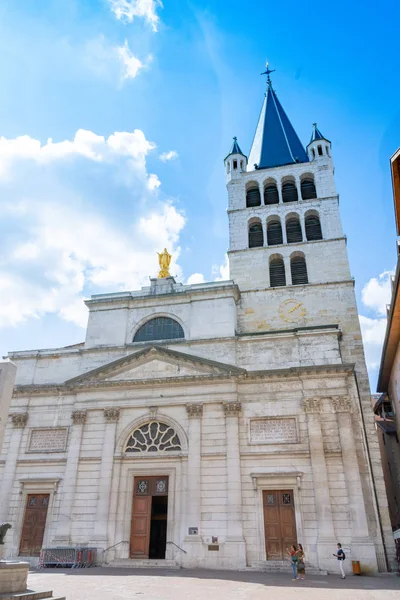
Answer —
317 135
235 149
275 142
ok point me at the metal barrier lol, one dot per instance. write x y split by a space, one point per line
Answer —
74 558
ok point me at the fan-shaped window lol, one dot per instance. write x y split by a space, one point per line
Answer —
293 230
313 228
277 275
298 269
256 236
308 191
160 328
253 197
289 192
274 233
154 437
271 195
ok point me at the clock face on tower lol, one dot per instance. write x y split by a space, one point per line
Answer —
292 310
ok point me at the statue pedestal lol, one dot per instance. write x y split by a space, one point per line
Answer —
13 577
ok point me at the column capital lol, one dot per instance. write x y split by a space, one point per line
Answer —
341 404
194 410
232 409
19 420
78 417
312 405
111 415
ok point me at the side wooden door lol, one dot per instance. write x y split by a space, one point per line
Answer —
141 518
279 523
34 524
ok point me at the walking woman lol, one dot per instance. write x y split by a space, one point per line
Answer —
301 567
292 552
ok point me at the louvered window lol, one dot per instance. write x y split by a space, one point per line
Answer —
289 192
160 328
313 228
253 197
256 236
298 269
277 276
274 233
308 191
271 195
293 231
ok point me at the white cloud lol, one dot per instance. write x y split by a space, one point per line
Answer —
127 10
196 278
112 63
166 156
373 332
221 272
80 216
131 65
377 292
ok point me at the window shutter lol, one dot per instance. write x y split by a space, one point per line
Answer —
289 192
274 233
253 197
256 236
160 328
271 195
293 231
313 228
298 269
277 275
308 191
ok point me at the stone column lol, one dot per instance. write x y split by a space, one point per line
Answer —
279 186
70 477
303 227
288 272
298 186
111 416
359 525
326 533
18 420
232 412
193 503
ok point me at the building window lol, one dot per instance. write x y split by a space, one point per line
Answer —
274 232
277 275
253 197
293 230
160 328
256 236
298 270
313 228
308 191
313 152
320 152
271 195
153 437
235 164
289 192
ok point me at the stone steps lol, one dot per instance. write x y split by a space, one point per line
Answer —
281 566
128 563
30 595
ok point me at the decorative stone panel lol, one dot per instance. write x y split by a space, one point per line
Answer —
232 409
341 404
19 419
78 417
312 405
48 439
111 415
194 410
273 431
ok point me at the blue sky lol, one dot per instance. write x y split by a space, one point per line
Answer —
141 101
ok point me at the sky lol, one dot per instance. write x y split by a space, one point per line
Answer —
115 117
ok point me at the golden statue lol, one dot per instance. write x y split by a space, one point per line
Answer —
164 260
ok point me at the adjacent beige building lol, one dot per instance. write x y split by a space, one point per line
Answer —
213 425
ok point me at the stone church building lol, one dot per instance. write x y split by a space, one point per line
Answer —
215 424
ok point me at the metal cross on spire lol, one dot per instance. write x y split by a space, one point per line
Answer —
267 73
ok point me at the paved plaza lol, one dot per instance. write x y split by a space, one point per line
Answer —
120 584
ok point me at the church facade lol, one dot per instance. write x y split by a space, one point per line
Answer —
213 425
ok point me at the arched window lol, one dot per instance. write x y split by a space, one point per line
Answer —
271 195
313 228
313 152
274 232
289 192
253 197
160 328
256 236
277 275
154 437
235 164
320 150
308 191
293 230
298 270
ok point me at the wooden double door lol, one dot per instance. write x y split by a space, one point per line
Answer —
149 517
34 524
279 523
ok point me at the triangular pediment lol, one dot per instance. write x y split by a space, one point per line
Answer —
153 363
